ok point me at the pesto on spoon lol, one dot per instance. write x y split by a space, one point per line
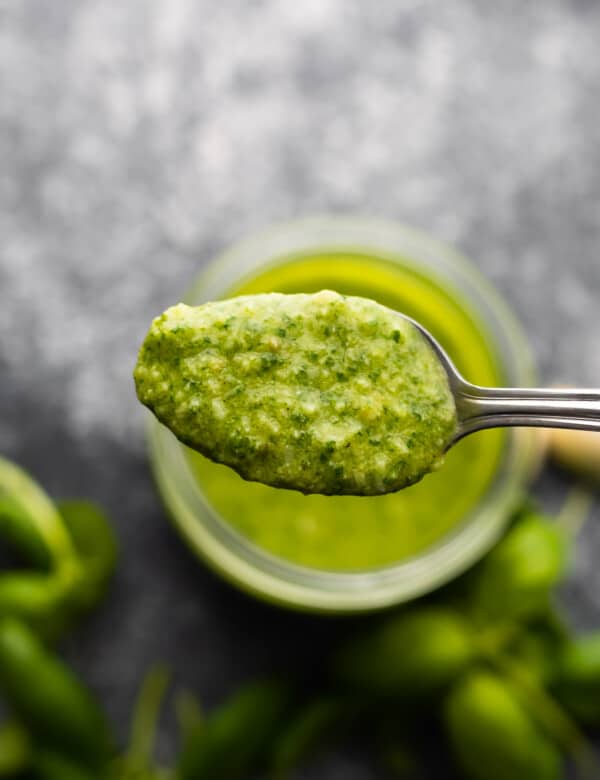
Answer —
319 393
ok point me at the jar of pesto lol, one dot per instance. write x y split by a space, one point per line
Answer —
345 553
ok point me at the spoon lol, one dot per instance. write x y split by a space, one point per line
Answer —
498 407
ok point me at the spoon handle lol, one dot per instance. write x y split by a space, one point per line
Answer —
487 407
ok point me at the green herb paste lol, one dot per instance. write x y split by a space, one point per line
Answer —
346 533
320 393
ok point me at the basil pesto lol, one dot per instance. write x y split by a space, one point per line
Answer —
320 393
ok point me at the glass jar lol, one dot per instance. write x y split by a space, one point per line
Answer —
380 260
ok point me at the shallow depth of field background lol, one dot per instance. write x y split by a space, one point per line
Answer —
139 138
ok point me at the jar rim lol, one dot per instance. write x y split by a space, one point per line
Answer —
280 581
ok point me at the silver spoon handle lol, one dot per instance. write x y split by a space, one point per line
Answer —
483 407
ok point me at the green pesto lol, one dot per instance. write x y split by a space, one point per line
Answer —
319 393
351 532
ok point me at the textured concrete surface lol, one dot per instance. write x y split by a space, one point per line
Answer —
137 138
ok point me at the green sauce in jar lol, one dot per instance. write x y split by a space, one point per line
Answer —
344 533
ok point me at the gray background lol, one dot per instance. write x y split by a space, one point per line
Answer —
138 138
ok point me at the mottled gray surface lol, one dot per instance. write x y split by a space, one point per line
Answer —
139 137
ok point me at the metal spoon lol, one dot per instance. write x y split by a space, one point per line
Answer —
497 407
